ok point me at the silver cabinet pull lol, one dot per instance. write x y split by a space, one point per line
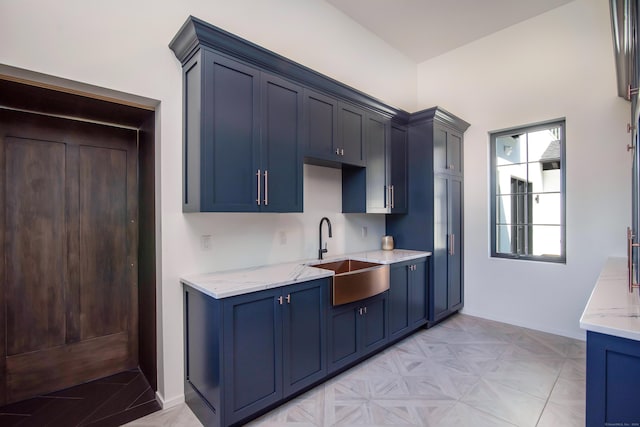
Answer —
393 196
342 151
280 299
337 151
266 187
365 310
387 197
630 246
258 178
452 244
288 298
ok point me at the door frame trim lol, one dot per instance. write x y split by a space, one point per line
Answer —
105 106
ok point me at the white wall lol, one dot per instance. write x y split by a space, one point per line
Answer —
122 45
559 64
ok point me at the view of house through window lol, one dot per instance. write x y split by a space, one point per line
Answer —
527 180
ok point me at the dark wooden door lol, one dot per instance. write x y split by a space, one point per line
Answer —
68 286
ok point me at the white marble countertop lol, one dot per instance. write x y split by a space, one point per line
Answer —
611 309
224 284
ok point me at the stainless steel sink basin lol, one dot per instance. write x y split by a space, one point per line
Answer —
356 280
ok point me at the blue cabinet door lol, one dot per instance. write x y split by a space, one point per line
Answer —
374 323
351 134
418 286
439 288
398 165
455 263
320 126
399 295
343 336
613 376
407 297
229 157
356 330
305 334
377 173
280 146
252 353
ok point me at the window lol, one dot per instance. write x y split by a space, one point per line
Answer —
528 192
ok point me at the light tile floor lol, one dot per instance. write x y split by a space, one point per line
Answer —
465 371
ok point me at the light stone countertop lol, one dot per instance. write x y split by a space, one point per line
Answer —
611 309
224 284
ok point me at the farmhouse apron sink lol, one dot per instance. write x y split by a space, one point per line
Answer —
356 280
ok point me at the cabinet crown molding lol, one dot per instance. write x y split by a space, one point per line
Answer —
196 33
441 115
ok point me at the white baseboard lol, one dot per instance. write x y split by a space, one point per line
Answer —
169 403
569 334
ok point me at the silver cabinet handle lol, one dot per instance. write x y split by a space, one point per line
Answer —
337 151
280 299
266 187
452 244
393 196
258 178
630 246
387 199
365 310
342 151
288 298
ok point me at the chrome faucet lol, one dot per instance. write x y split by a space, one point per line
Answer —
321 250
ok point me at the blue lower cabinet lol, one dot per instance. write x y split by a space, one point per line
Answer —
407 297
356 330
252 353
247 353
304 335
613 381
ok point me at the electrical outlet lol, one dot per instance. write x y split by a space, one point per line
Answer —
364 231
283 237
205 242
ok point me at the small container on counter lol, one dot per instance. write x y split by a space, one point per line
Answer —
387 243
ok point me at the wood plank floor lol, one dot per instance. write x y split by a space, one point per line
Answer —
110 401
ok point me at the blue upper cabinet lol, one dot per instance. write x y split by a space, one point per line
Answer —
251 118
242 142
334 130
351 147
281 155
382 188
321 125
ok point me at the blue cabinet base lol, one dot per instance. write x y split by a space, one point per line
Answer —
613 381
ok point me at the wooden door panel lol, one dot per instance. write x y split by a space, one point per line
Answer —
68 227
103 241
34 373
34 244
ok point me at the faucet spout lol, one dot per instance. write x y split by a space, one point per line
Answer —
322 250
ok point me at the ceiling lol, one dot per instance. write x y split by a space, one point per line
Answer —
423 29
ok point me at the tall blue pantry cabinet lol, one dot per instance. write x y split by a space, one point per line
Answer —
434 219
